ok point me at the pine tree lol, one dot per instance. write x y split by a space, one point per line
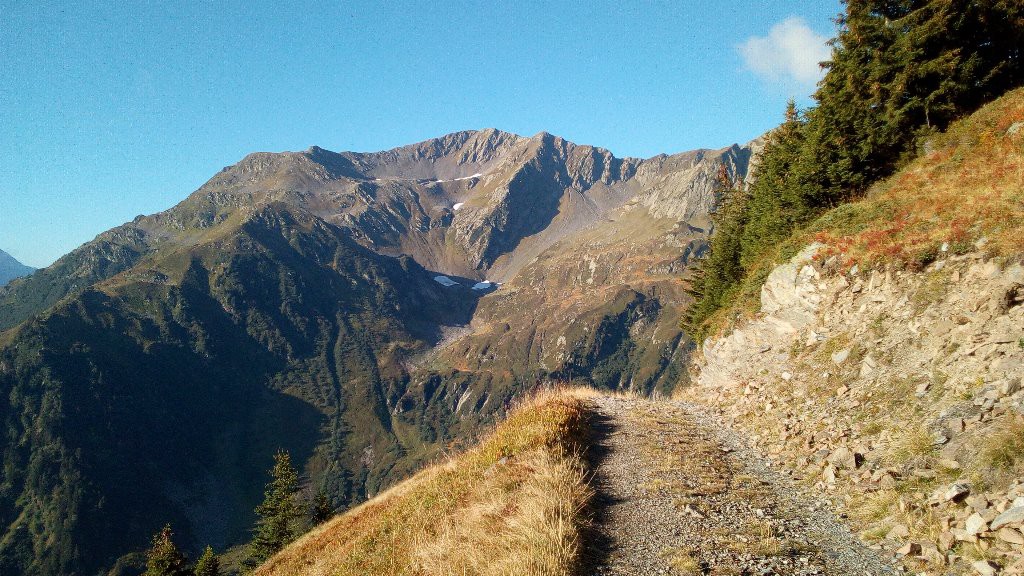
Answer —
320 509
208 564
277 514
720 270
778 200
899 71
163 558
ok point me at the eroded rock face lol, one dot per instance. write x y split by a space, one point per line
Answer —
790 299
888 383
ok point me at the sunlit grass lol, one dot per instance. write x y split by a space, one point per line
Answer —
513 505
971 187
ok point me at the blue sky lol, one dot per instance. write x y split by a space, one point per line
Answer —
109 111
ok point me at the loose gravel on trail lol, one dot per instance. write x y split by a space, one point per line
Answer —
678 494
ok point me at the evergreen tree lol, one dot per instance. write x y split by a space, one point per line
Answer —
899 70
163 558
778 200
278 512
721 269
208 564
320 509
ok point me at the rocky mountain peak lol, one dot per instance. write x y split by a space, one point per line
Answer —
361 298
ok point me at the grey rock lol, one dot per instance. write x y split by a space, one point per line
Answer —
957 492
1009 386
1012 516
975 524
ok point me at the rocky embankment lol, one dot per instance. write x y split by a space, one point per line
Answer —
895 393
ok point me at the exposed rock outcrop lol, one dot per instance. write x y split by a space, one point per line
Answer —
897 393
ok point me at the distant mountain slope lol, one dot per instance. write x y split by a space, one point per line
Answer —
295 300
11 268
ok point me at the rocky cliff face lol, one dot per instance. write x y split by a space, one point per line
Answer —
896 393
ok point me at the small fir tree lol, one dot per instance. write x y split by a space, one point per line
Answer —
208 564
320 509
277 514
163 558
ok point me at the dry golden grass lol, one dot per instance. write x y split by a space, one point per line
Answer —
682 561
970 187
514 505
1002 450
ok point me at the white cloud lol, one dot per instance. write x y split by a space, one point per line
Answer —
790 53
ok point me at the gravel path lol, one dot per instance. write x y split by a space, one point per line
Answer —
678 494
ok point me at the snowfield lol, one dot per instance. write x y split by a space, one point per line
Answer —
477 175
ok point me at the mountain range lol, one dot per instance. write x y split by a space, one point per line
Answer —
11 268
364 311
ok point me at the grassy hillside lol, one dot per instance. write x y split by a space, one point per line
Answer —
967 189
515 504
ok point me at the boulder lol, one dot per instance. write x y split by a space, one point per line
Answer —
785 294
845 458
979 503
946 540
910 549
976 524
984 568
829 475
1010 535
957 492
1009 386
839 357
898 532
930 553
1014 515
